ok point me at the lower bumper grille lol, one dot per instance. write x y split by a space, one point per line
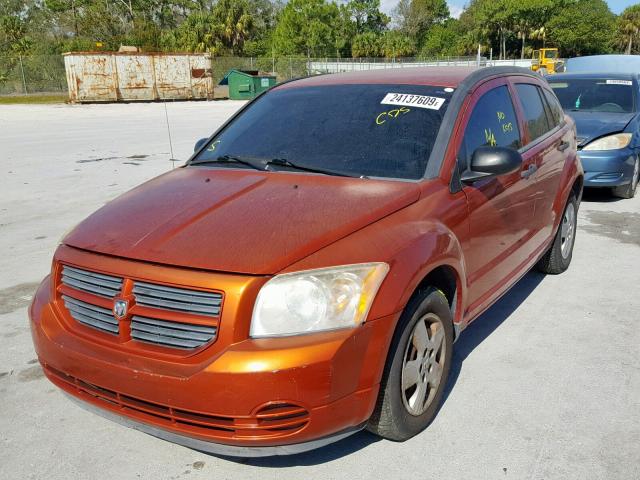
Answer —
272 420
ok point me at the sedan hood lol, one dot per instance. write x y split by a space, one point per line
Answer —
592 125
237 221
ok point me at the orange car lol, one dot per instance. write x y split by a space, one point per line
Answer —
306 273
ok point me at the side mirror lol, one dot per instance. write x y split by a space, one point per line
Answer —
490 162
199 144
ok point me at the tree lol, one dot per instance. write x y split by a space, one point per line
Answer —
582 28
367 16
628 28
443 40
368 44
415 17
305 27
235 23
396 43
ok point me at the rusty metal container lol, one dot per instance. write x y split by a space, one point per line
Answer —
124 77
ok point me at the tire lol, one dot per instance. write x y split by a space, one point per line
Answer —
629 190
557 259
402 413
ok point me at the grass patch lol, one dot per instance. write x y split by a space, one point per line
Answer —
33 99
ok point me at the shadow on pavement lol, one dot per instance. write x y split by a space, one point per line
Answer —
600 195
473 336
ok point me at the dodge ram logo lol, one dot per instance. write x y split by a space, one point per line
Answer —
120 309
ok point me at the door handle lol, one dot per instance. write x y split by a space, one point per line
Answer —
562 146
529 171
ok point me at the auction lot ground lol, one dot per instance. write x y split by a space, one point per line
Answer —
545 385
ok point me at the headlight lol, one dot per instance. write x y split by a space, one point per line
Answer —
315 300
612 142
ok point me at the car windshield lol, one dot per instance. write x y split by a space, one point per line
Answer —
551 53
359 130
594 95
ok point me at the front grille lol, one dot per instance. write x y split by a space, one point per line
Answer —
178 299
272 420
173 317
91 315
172 334
95 283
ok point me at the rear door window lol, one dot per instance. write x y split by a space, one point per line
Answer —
534 112
493 123
555 108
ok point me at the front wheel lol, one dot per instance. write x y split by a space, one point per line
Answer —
558 257
417 368
629 190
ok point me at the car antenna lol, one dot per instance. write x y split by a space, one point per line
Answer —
166 116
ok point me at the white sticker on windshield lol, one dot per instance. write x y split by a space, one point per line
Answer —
619 82
420 101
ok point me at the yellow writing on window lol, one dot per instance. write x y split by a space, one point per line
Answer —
382 117
213 146
501 116
489 137
507 127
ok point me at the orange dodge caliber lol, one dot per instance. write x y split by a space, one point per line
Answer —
306 273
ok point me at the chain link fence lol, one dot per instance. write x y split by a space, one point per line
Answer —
23 75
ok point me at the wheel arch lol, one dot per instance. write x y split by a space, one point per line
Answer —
448 281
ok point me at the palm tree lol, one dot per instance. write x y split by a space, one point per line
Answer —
629 26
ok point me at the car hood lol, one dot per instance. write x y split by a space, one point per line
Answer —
592 125
235 220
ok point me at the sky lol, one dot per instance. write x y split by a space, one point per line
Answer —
456 6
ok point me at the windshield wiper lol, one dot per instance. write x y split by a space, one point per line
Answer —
232 159
283 162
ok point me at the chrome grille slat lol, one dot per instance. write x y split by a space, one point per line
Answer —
92 274
164 288
101 314
195 299
176 325
170 332
95 283
178 299
91 315
176 334
87 279
162 340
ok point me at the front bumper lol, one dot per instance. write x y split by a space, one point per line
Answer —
607 168
248 397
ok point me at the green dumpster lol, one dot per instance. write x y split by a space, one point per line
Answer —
246 84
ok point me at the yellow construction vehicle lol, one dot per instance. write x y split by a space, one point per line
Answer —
546 62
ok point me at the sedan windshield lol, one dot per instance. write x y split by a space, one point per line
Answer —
357 130
594 95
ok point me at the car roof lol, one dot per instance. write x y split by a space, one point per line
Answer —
431 76
604 63
595 75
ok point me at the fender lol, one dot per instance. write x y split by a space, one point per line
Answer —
414 241
570 173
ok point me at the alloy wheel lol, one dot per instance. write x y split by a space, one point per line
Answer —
423 364
567 230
